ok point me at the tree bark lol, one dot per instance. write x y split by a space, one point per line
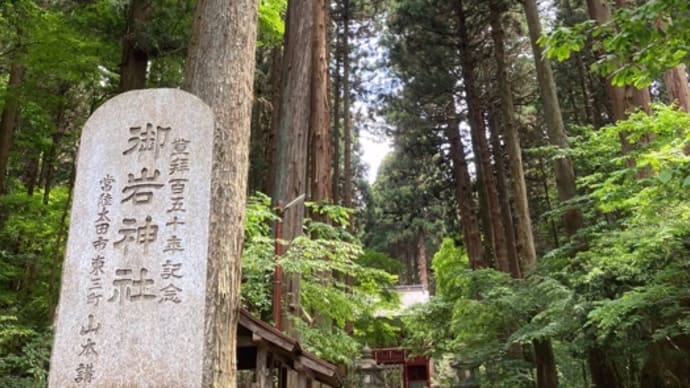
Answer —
604 374
220 71
480 145
422 260
504 199
347 131
625 99
321 190
337 86
9 119
523 221
547 375
271 146
463 192
564 172
292 138
676 81
135 57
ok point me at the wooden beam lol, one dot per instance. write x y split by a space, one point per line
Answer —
263 371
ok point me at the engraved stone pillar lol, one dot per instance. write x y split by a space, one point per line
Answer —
131 311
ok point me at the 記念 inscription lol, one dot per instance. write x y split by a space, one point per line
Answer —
133 289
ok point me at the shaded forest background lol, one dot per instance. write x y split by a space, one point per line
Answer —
537 181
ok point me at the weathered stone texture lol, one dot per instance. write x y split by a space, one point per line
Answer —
131 310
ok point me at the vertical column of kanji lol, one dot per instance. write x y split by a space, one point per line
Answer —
171 269
139 227
87 362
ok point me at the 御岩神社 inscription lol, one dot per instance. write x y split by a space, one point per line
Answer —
131 311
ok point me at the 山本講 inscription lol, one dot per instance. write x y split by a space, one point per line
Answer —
133 289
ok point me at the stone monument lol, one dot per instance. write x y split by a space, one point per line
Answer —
131 311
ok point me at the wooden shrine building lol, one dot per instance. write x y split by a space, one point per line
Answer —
272 355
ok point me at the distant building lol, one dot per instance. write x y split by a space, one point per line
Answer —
395 363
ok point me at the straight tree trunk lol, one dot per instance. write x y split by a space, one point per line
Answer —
504 199
463 192
337 86
582 75
676 81
135 58
9 119
271 148
625 99
523 221
30 176
604 374
321 190
422 260
480 145
347 131
547 374
50 157
564 172
220 71
292 138
485 228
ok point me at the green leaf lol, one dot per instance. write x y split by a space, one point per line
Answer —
686 182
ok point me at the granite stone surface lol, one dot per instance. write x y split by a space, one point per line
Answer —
131 310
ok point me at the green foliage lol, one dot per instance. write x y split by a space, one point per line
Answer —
563 41
30 252
625 292
637 44
271 23
322 257
470 318
24 354
30 261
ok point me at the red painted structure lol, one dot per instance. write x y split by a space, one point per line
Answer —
416 371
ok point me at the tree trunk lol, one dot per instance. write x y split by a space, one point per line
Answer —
523 221
321 190
582 75
347 131
504 199
422 260
676 81
135 57
271 147
9 120
293 134
604 374
564 172
480 145
51 157
337 86
623 99
220 71
53 278
547 375
30 176
463 192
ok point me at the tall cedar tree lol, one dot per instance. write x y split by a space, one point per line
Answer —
303 114
220 71
523 222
